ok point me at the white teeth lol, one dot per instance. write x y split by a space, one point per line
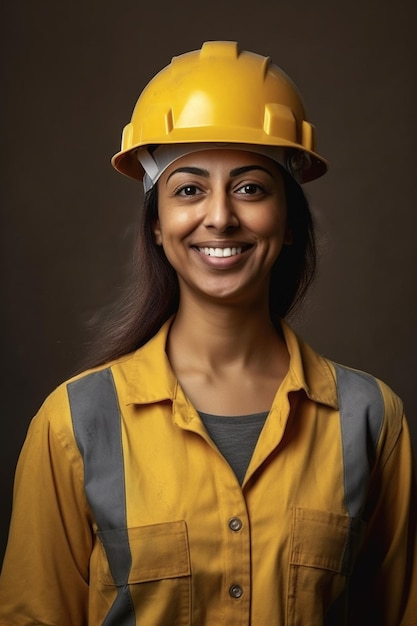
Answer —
221 252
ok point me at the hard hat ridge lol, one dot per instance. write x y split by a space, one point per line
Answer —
221 94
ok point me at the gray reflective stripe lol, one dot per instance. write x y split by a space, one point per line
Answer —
97 428
361 408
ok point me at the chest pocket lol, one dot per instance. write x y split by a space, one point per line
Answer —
160 569
323 550
324 545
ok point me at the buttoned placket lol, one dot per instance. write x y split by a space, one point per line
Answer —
235 526
237 545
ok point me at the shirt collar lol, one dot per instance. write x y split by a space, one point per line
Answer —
309 371
149 378
147 372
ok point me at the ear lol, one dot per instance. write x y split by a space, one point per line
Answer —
157 232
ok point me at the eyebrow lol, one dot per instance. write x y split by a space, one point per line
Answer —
237 171
190 170
247 168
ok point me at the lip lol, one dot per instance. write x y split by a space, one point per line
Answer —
221 243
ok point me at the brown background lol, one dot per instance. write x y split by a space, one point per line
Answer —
71 73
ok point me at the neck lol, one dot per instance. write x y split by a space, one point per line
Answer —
218 336
229 360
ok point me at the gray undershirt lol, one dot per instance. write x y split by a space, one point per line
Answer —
235 437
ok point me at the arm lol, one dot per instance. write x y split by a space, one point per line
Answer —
384 584
45 572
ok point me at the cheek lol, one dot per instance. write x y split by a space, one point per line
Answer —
176 223
271 224
269 219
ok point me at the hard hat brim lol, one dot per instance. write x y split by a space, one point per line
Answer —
127 163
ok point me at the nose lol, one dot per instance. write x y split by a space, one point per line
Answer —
219 212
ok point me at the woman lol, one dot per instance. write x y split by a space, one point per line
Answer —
214 469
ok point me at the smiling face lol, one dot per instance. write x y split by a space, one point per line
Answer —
222 223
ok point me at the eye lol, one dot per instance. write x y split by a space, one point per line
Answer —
250 189
188 190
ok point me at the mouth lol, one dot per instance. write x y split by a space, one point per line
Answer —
227 251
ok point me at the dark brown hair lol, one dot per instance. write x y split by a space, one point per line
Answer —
153 295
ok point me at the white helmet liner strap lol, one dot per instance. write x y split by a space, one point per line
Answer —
156 163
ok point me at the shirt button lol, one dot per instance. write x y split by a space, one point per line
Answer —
236 591
235 524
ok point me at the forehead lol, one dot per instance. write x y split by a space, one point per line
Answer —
222 161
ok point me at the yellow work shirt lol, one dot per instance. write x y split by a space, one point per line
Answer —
282 549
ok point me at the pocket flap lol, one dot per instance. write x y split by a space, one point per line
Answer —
325 540
158 551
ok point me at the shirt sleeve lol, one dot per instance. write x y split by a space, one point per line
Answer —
384 584
45 571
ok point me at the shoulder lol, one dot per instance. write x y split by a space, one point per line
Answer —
366 388
353 387
137 375
364 401
367 400
362 387
56 408
338 385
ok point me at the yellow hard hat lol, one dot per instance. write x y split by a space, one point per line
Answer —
220 94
